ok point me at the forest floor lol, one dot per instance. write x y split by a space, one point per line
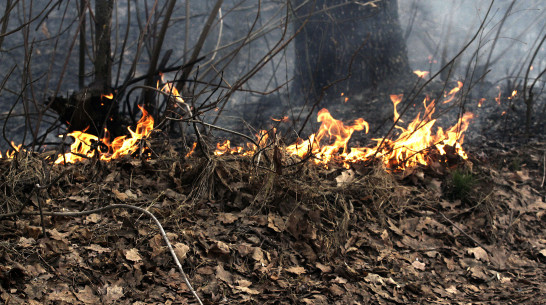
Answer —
250 236
471 231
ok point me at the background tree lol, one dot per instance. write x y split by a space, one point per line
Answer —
347 46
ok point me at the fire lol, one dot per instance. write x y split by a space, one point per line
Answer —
412 147
171 89
87 146
421 74
335 131
396 99
409 149
451 95
108 96
10 154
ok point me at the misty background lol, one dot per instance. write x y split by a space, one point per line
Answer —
41 60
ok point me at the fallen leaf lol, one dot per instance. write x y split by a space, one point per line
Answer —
223 275
345 177
181 250
324 268
479 253
418 265
120 196
275 222
97 248
113 293
227 218
93 218
297 270
133 255
87 296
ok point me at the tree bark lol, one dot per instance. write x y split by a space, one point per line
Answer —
346 46
103 58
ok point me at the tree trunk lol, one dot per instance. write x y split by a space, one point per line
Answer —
89 109
345 47
103 59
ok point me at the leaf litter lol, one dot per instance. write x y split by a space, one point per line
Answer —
250 236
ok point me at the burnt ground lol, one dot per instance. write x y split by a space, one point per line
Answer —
249 235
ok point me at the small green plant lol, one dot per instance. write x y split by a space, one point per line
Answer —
461 184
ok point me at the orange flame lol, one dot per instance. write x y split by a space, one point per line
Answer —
409 149
421 74
396 99
108 96
86 145
451 95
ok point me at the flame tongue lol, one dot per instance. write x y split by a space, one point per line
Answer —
86 145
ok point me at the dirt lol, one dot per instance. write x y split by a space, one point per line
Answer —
248 233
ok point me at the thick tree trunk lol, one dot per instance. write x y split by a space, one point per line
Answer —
347 46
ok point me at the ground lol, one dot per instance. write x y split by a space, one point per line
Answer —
249 235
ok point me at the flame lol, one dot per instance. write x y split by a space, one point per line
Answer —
10 154
409 149
421 74
108 96
396 99
481 101
451 95
337 132
171 89
283 119
87 146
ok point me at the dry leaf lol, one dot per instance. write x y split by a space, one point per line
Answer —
275 222
133 255
97 248
297 270
345 177
418 265
181 250
113 293
87 296
120 196
227 218
479 253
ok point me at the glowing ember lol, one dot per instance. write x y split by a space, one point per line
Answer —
108 96
87 146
